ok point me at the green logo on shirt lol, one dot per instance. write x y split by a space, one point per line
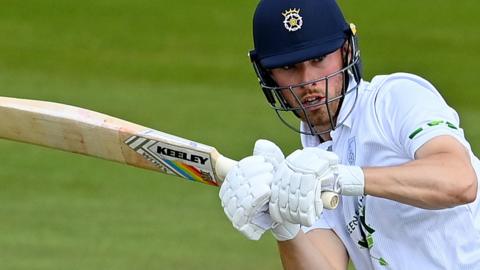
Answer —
367 232
430 124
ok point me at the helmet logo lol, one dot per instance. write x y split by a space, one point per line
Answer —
293 21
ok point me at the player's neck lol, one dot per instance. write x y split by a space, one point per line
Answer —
322 135
325 137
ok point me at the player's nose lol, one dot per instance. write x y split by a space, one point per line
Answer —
309 74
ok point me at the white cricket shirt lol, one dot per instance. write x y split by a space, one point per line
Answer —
394 115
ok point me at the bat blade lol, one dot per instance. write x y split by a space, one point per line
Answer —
90 133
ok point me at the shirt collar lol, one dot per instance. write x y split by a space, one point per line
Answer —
308 140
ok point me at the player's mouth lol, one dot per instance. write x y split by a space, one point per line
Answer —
313 102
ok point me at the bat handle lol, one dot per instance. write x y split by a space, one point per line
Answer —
223 165
330 199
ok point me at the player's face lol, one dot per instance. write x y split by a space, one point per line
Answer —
313 96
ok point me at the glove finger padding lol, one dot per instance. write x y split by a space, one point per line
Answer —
292 197
325 175
245 190
297 186
274 208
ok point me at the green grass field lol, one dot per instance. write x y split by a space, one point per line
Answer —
180 67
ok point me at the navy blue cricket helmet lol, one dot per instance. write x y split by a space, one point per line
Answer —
286 32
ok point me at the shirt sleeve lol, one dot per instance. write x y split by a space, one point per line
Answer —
410 112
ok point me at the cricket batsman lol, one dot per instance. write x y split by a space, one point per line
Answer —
392 148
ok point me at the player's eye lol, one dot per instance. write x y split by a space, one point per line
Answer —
318 59
288 67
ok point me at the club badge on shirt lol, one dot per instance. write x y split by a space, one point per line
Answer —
351 151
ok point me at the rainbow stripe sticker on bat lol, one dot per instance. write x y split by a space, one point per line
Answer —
189 172
175 160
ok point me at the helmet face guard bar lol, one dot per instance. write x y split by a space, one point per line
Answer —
280 111
277 101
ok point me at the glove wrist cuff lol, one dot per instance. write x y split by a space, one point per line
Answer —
286 231
351 180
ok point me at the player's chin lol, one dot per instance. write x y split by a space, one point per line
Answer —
318 117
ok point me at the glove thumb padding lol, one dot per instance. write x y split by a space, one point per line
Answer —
270 151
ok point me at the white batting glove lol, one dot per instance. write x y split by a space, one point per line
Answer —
246 190
350 180
297 186
285 231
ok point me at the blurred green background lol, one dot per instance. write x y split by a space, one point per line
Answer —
180 67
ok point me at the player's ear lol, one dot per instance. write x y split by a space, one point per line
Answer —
347 50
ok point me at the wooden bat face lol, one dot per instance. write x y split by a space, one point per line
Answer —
90 133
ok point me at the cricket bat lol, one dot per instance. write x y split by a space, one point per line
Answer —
90 133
